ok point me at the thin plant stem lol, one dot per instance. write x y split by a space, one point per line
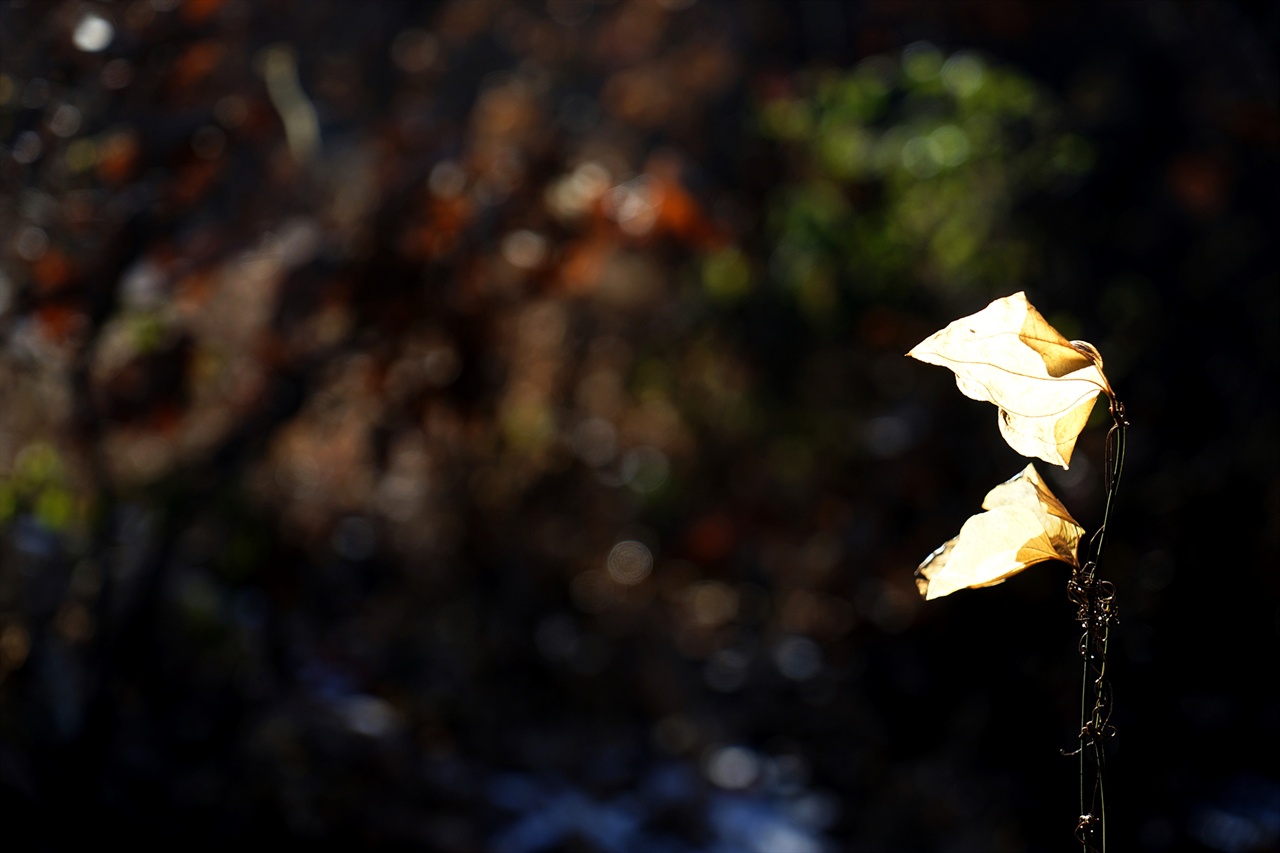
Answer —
1084 715
1097 612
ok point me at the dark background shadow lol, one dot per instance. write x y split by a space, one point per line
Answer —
484 426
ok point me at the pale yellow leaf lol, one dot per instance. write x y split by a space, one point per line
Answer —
1044 384
1024 524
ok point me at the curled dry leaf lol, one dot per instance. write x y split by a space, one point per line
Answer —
1024 524
1044 384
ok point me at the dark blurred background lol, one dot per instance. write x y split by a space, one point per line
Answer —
483 426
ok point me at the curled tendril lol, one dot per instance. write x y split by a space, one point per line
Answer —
1086 827
1096 612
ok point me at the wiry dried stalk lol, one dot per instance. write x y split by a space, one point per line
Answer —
1097 611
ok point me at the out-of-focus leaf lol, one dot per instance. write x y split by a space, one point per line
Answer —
1044 384
1024 524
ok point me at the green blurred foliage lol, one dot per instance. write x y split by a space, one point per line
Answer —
38 483
911 170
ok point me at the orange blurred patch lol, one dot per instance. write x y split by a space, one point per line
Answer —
680 216
59 322
583 265
711 538
198 11
880 328
195 64
1200 184
51 271
117 156
642 96
451 214
196 180
192 292
1256 124
165 418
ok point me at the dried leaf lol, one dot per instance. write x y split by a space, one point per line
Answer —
1044 385
1024 524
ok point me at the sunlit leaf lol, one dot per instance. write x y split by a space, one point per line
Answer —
1044 384
1024 524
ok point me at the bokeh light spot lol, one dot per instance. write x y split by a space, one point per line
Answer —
524 249
963 74
447 180
27 147
949 146
31 243
15 644
368 715
713 603
93 33
921 61
645 468
595 441
630 562
65 121
732 767
798 658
